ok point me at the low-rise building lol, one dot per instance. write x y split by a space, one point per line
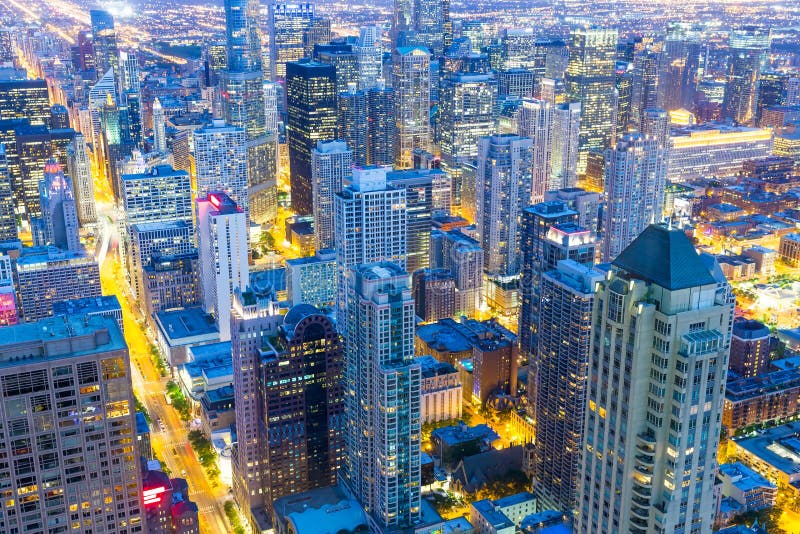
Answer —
743 485
501 516
441 391
547 522
760 399
764 258
304 513
452 443
737 267
789 250
167 505
176 330
773 453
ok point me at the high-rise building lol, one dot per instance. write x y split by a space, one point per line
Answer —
25 99
311 107
243 105
222 252
463 257
427 193
312 280
8 218
411 82
504 188
83 52
467 112
565 139
318 32
344 61
353 123
635 178
682 51
220 161
535 121
537 221
647 91
434 294
331 165
660 415
129 72
46 275
590 80
370 218
382 402
287 26
159 127
557 380
304 447
750 348
104 41
380 125
748 56
370 57
516 83
80 170
432 26
586 203
47 366
59 212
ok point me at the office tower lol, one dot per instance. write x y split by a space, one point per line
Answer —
59 212
272 92
586 203
80 170
519 83
467 112
129 72
222 254
287 25
434 294
682 51
432 26
517 46
52 368
635 177
624 81
772 92
382 404
25 99
370 57
557 386
748 56
647 92
750 348
8 218
553 91
504 187
344 61
331 165
590 81
33 147
312 280
46 275
318 32
660 414
550 58
159 127
793 91
656 124
370 219
411 82
171 282
536 222
402 20
427 193
162 195
59 118
463 257
252 319
535 121
311 107
564 150
353 123
380 125
8 301
104 40
83 52
243 105
220 160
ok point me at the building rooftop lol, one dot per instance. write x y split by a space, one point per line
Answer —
142 427
86 305
666 258
454 336
750 329
461 433
432 367
746 388
512 500
326 510
743 477
186 323
778 446
494 517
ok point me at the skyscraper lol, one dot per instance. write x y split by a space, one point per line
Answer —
222 250
590 81
353 123
159 127
243 105
59 212
311 107
25 99
652 423
432 24
382 402
370 218
287 25
52 364
8 219
535 228
635 178
370 57
220 160
557 380
535 121
647 89
129 72
748 57
504 187
104 40
467 111
331 164
411 82
380 125
682 51
565 139
80 170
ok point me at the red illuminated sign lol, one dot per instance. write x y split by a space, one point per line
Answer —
214 199
153 495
